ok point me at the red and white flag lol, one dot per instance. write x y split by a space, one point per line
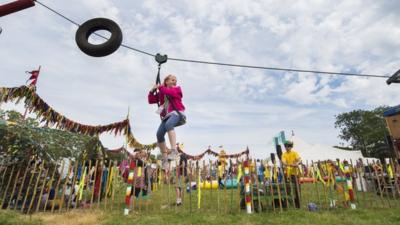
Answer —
34 77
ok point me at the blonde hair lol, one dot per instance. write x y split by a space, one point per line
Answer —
167 78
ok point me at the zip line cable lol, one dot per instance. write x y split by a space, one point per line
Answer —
221 63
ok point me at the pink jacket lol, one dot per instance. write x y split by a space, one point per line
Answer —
175 95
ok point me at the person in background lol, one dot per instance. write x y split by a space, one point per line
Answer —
291 161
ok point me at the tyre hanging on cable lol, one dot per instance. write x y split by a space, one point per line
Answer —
91 26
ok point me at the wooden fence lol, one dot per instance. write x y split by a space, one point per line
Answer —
55 187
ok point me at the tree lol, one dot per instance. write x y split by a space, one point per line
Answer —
21 138
366 131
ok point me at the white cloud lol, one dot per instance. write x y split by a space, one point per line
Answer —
230 106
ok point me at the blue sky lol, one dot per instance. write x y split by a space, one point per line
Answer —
225 106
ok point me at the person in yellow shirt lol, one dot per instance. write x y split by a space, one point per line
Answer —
221 168
291 160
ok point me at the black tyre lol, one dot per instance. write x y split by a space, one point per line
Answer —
93 25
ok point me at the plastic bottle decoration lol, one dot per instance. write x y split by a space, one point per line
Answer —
347 170
247 185
129 188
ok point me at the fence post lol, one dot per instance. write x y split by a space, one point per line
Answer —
22 184
57 186
94 184
49 187
8 185
42 187
35 189
72 190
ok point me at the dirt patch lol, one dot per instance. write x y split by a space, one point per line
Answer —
74 217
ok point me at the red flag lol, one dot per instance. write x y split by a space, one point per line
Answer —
34 76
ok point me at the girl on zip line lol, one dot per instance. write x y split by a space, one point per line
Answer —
172 112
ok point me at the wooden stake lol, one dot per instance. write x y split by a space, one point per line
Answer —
29 186
211 183
326 203
22 184
278 188
190 188
57 186
231 176
73 185
64 187
100 184
169 186
176 183
94 184
198 186
108 183
396 178
217 188
13 190
2 177
357 172
271 189
49 187
371 178
316 181
86 184
382 176
42 188
36 185
8 185
284 184
378 181
240 167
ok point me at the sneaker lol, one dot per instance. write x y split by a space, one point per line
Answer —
165 164
172 156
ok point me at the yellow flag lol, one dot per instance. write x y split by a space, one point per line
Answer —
82 184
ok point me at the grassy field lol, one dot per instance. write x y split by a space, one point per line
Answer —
222 207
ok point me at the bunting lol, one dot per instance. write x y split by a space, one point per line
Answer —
34 103
213 153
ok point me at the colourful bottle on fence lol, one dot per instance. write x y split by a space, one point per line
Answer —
247 186
347 170
129 188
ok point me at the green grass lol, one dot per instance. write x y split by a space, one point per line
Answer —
343 217
14 218
222 207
